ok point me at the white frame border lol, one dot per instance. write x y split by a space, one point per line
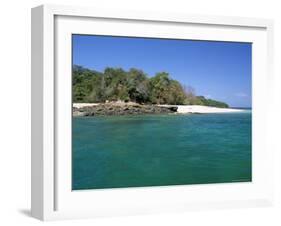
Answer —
43 86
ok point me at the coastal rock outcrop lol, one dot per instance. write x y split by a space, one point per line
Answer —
122 109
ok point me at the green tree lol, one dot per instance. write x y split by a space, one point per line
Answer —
138 86
115 80
134 85
159 87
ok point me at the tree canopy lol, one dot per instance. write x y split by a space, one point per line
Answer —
115 84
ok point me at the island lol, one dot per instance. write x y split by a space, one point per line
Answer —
119 92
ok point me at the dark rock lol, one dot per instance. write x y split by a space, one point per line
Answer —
174 109
122 109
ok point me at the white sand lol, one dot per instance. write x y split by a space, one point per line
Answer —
184 109
80 105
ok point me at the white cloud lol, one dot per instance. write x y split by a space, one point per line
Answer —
208 96
241 94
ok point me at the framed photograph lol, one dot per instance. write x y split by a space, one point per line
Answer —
138 112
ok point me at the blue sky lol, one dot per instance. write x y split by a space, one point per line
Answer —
217 70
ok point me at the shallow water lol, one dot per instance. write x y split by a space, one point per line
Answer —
154 150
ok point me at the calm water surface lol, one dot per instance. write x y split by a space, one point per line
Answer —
132 151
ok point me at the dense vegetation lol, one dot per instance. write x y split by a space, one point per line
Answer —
134 85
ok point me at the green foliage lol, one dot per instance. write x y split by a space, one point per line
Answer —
210 102
159 85
134 85
138 86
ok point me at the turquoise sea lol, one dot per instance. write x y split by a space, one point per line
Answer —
154 150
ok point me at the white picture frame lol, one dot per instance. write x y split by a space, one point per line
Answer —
52 197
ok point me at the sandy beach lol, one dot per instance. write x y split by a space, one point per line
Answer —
81 105
182 109
185 109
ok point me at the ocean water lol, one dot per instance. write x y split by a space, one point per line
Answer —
155 150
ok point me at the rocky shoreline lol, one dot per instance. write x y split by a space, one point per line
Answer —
108 109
